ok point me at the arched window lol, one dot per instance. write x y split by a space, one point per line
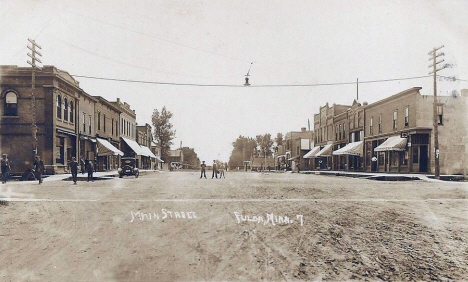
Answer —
72 112
11 104
59 106
65 109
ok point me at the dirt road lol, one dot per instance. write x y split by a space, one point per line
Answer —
249 226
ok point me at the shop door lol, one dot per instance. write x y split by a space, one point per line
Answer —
423 158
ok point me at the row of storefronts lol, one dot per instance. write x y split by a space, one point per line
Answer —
392 135
70 123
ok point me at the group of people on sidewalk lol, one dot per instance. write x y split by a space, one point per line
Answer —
221 170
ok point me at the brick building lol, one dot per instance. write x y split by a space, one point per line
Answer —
57 95
107 117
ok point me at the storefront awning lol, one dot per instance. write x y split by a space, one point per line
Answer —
325 152
312 152
134 146
105 148
354 148
148 152
293 158
394 143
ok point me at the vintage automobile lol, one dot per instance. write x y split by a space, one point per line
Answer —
128 167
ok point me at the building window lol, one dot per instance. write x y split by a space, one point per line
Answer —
89 126
415 155
371 126
116 128
122 127
59 106
104 120
340 132
336 133
112 132
380 123
344 130
72 112
65 109
440 113
84 122
99 121
406 116
11 104
405 158
395 118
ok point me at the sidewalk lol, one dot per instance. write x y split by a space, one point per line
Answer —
99 175
387 176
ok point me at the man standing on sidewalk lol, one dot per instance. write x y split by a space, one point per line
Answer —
74 170
215 170
5 166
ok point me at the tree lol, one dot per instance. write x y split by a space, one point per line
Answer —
279 139
243 149
191 158
163 132
264 144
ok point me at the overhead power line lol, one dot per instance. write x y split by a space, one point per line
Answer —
240 85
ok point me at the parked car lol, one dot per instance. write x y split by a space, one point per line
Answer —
128 167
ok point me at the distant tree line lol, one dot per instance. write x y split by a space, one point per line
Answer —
244 148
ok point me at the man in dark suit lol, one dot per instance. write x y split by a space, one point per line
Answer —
203 168
215 170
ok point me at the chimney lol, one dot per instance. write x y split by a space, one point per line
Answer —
303 129
118 100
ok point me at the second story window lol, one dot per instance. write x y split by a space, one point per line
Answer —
380 123
406 116
112 126
395 118
59 106
371 125
440 113
340 131
84 122
99 121
89 126
11 104
65 109
72 112
104 121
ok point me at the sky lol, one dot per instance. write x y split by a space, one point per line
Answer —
217 42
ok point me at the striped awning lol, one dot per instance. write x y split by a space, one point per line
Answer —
135 147
312 152
325 152
105 148
354 148
393 143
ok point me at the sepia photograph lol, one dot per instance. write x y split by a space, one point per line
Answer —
195 140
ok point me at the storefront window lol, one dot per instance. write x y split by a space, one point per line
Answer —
404 161
381 158
415 155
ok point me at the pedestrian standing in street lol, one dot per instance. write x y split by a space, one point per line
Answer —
39 168
221 171
203 168
90 170
5 166
215 170
74 170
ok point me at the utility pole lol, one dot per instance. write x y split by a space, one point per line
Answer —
357 89
33 61
433 57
